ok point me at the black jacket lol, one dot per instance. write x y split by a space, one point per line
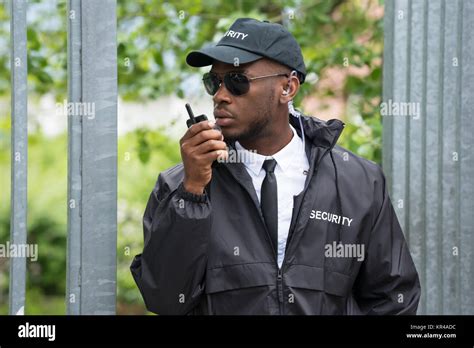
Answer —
212 254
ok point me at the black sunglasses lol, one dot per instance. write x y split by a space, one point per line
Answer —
235 82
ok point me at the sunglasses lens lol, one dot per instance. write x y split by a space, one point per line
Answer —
211 83
236 83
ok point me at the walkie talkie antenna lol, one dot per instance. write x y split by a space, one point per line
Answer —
190 113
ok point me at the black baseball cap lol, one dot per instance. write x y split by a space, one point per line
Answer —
248 40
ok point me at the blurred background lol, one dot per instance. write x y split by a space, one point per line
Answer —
342 43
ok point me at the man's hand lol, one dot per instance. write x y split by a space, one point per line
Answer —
200 146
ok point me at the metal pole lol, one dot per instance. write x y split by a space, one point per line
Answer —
428 157
92 180
19 153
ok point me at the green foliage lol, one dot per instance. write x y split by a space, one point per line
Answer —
136 181
37 303
47 53
47 180
332 33
4 51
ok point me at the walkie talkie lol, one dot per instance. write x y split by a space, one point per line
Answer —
196 119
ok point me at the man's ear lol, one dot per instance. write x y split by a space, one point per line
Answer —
291 89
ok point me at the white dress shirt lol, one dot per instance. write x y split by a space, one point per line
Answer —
290 172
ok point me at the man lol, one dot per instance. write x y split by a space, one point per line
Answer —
302 226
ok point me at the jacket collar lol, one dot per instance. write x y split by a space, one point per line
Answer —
318 134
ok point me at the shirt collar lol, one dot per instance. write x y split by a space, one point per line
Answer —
285 157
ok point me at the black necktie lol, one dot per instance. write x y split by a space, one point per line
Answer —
269 200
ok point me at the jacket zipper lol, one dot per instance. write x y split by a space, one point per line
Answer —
280 290
313 174
290 234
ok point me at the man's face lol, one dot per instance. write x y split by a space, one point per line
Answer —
248 116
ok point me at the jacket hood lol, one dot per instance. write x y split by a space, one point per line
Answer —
318 132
